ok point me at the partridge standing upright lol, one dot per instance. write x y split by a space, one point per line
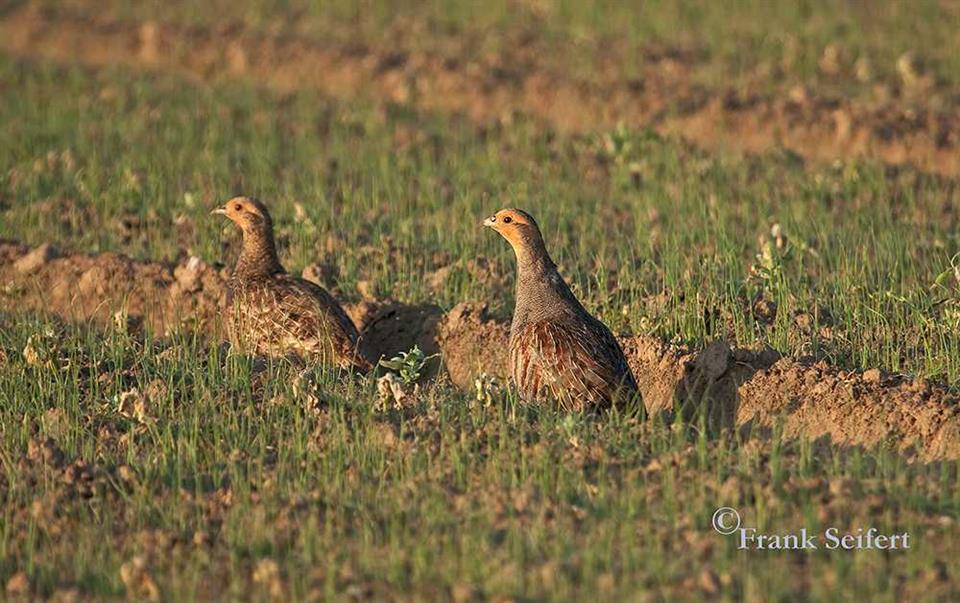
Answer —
557 349
272 313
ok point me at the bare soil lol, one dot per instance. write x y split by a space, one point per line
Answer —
740 387
494 88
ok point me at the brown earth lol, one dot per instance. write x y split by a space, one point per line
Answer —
742 387
109 287
494 88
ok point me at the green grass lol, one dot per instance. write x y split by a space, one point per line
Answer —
744 42
673 252
445 496
227 468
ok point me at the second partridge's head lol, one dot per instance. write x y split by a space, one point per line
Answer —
247 213
518 228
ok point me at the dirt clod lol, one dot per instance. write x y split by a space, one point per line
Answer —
189 276
323 275
45 451
473 344
35 259
18 584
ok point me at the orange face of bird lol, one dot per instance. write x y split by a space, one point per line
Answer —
515 225
244 212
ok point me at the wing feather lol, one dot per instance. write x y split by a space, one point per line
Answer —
283 314
579 364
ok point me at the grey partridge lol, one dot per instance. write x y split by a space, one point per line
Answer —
557 349
272 313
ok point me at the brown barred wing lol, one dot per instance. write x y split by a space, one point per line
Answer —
329 308
609 348
578 363
283 315
320 315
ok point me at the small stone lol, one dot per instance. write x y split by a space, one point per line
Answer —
66 595
765 311
136 577
799 94
133 405
437 279
267 573
92 282
319 274
46 451
843 124
365 289
201 538
462 593
126 474
804 322
708 581
391 391
237 63
18 584
843 488
907 67
189 275
863 69
34 260
831 61
148 38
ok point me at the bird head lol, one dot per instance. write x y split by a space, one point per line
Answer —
247 213
517 227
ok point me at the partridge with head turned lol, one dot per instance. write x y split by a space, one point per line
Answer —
272 313
557 349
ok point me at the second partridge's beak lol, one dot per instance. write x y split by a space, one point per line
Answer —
489 222
220 211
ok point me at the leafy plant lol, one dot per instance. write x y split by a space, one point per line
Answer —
408 365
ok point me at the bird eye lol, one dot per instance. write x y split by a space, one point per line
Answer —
507 219
237 207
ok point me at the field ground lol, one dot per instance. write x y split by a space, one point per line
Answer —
761 201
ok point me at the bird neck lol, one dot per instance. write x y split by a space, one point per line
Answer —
541 291
258 255
533 265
